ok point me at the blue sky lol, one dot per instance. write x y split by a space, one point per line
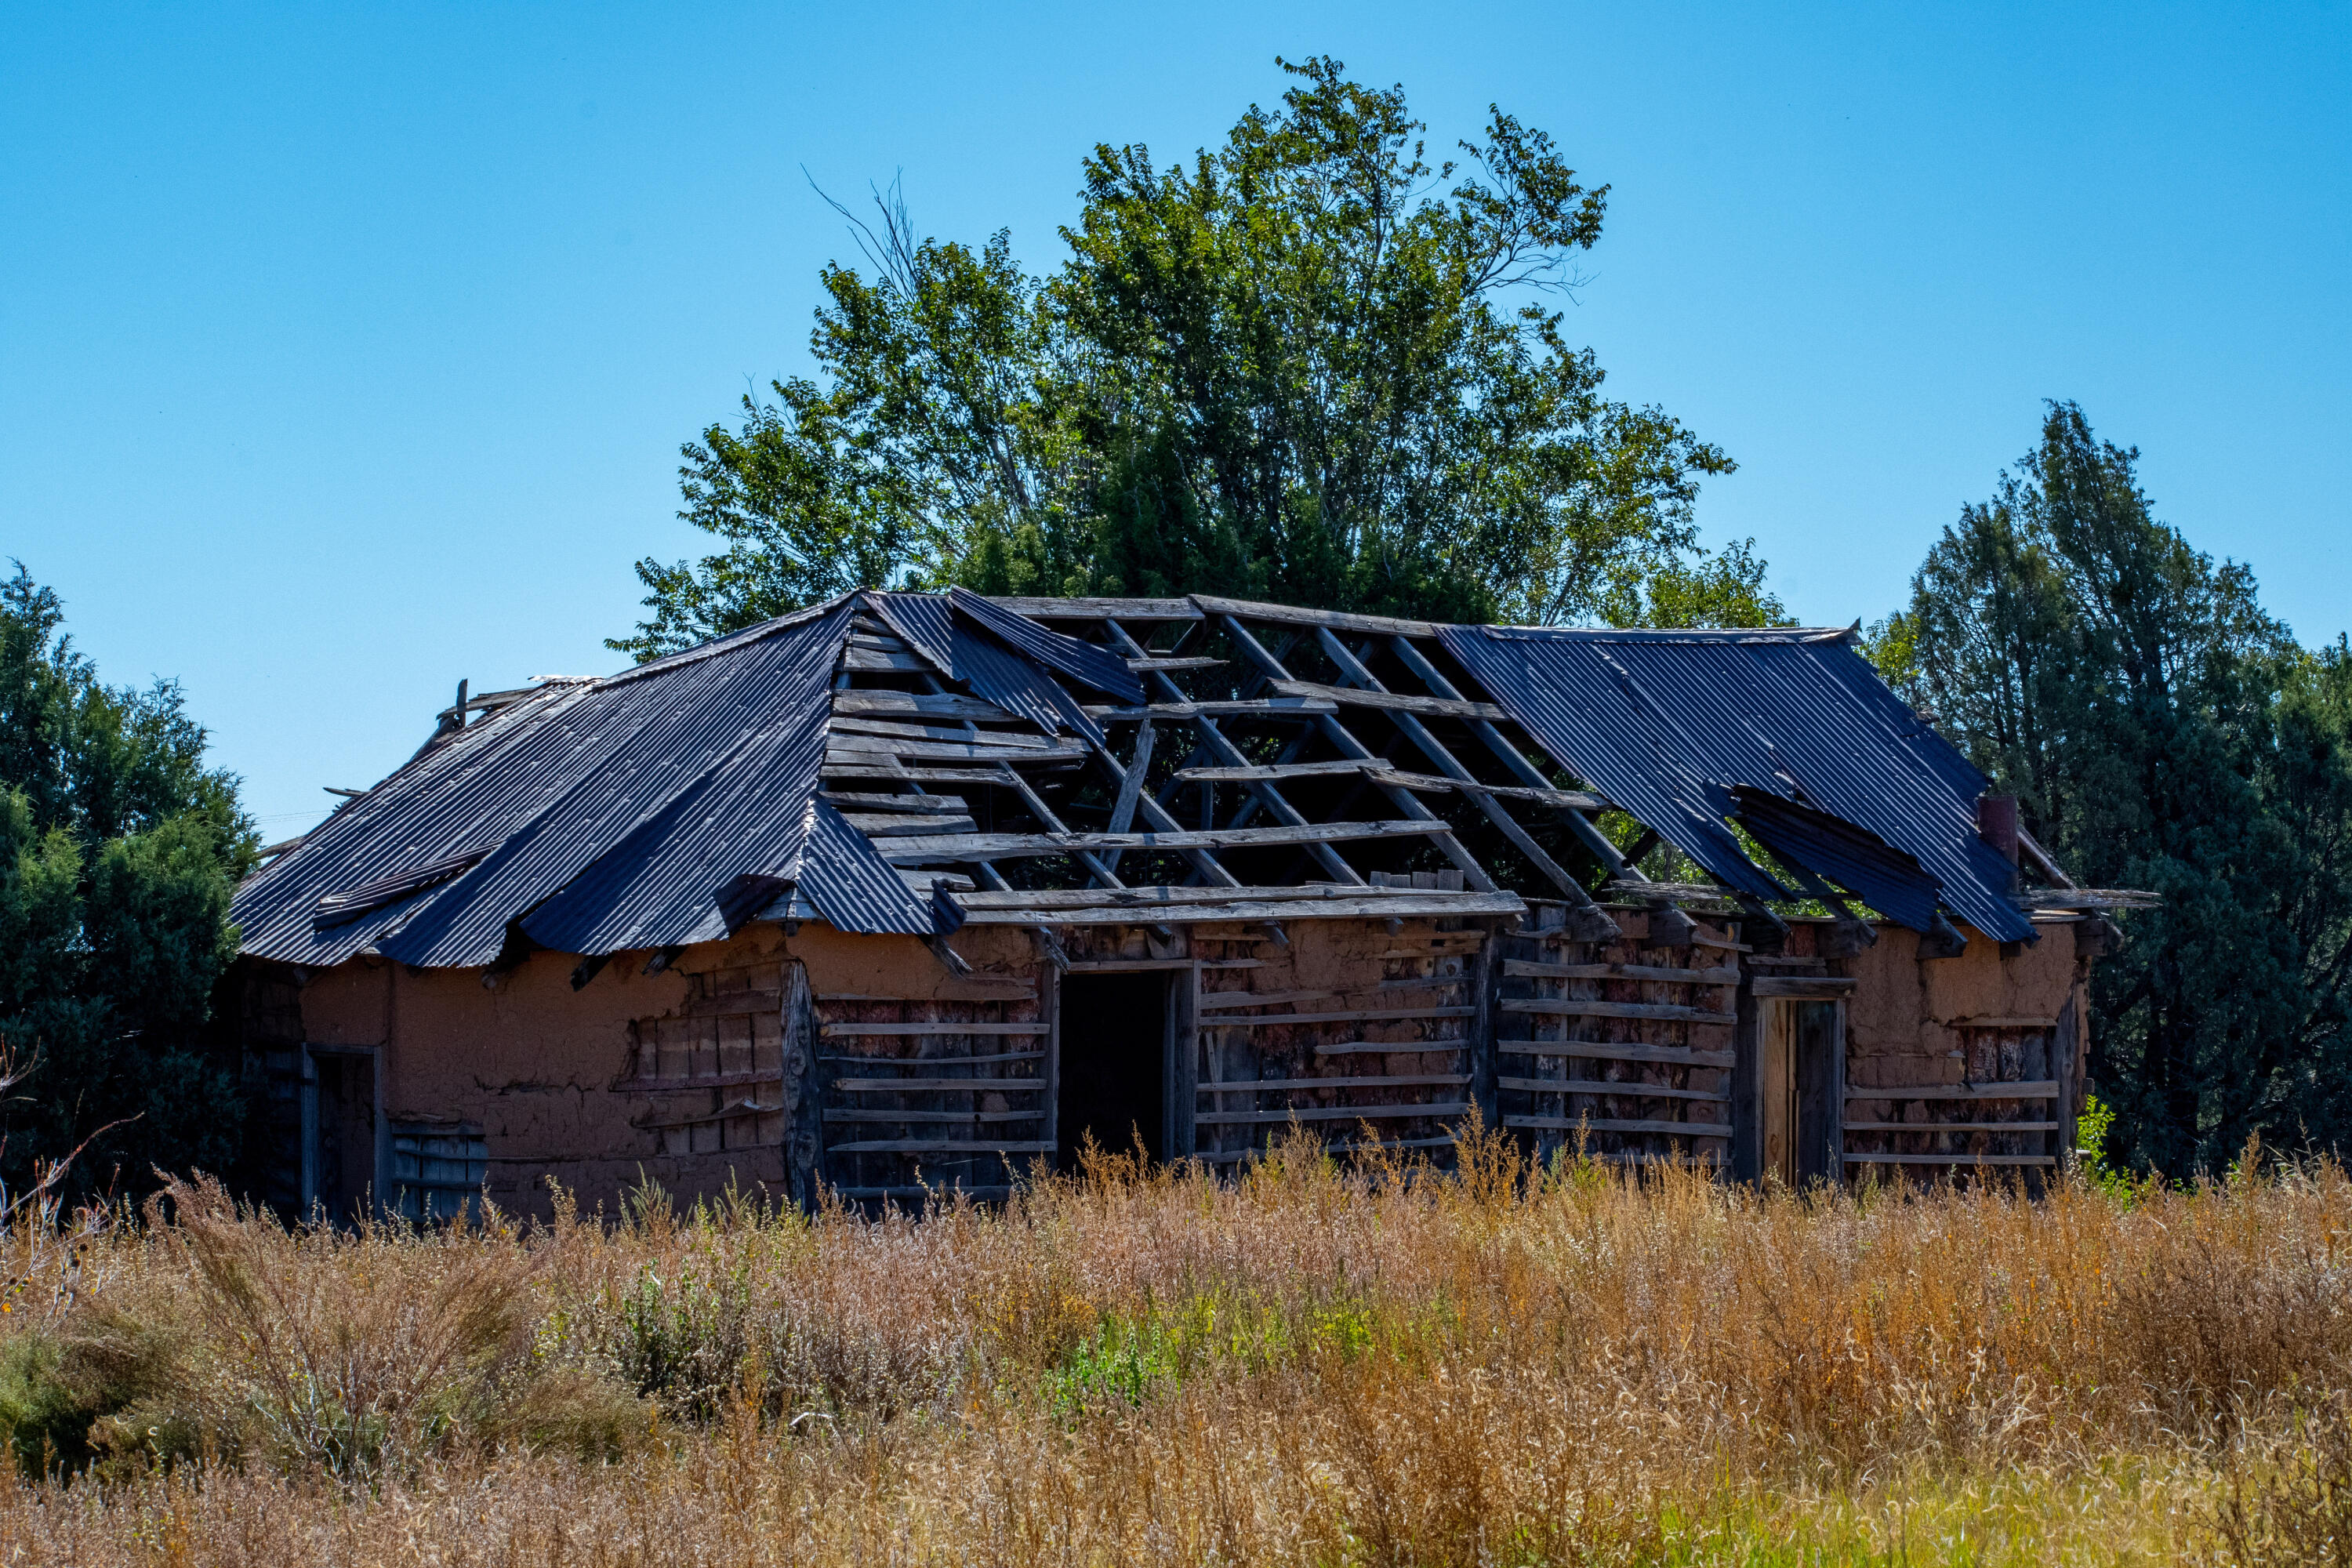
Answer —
345 351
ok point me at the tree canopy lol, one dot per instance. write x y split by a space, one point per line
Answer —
2162 731
1307 365
119 852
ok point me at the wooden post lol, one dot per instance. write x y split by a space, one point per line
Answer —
803 1098
1484 1092
1747 1085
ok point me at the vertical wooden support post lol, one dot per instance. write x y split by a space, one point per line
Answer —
2066 1068
1747 1085
1049 1010
802 1042
1484 1091
1185 1061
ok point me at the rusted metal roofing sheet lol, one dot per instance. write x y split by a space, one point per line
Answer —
613 812
1665 723
1082 661
972 656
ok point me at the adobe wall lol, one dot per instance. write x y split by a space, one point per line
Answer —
1922 1023
585 1085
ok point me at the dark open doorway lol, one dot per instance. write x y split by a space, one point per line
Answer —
1115 1064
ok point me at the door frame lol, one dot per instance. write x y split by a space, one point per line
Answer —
1825 1097
379 1165
1180 1050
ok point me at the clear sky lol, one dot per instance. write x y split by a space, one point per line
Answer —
346 350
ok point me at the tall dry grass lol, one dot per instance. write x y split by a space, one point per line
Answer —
1308 1365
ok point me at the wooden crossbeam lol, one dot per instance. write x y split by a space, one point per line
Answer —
1389 701
1000 846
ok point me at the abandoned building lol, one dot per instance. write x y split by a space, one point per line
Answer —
910 891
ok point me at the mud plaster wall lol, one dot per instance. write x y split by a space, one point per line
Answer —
556 1079
1911 1023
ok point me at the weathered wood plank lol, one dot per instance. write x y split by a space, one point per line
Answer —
937 1146
1371 1016
1610 1051
894 729
2033 1089
1291 1085
1292 615
1240 708
1827 986
1954 1127
853 1030
1578 1008
1388 1048
1142 665
917 804
1601 1086
939 1085
911 1117
1853 1158
927 1063
1526 969
1598 1124
1014 846
1412 905
1392 701
875 824
1331 1114
927 704
1098 609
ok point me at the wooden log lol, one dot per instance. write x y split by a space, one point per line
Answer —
1954 1127
1218 1001
1384 1048
1564 799
2037 1089
1599 1124
938 1146
1855 1159
1343 767
1245 708
1148 663
1610 1051
1291 1085
1578 1008
855 750
1331 1114
965 988
1526 969
1098 609
853 1030
873 659
1014 846
938 1085
878 825
1418 907
840 728
911 1117
1292 615
1826 987
1145 901
910 805
852 1059
1391 702
1603 1086
1373 1015
930 704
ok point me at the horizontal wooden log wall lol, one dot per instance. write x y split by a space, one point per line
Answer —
2009 1109
946 1091
1624 1046
1383 1055
711 1069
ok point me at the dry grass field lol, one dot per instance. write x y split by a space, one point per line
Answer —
1310 1365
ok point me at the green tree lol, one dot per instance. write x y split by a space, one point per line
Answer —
2161 731
1307 365
118 853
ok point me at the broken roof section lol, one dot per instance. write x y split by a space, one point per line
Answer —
896 762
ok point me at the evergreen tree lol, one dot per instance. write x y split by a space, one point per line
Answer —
2161 731
118 853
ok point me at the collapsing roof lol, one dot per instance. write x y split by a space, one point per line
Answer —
903 763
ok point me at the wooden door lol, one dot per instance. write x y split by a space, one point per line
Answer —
1777 1101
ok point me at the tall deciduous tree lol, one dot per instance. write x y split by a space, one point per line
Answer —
1307 365
119 852
2162 731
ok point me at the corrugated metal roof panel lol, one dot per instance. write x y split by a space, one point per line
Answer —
1081 660
1665 723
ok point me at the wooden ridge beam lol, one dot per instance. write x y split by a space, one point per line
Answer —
1292 615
